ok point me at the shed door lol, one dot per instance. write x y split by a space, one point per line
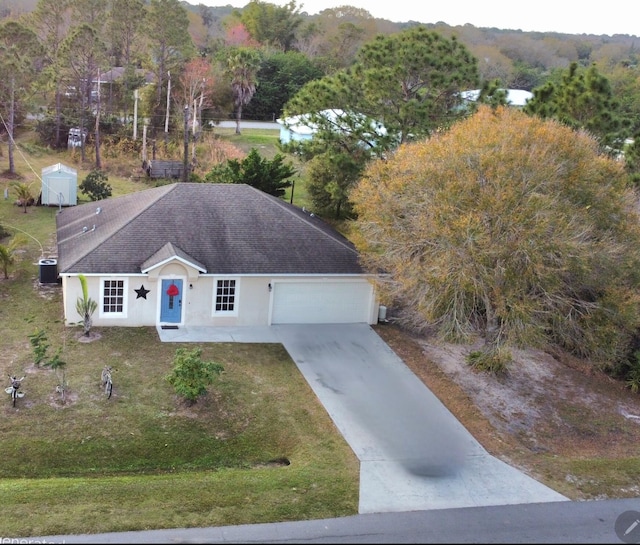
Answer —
321 302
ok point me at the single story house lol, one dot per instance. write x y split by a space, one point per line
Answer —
106 81
295 129
302 127
209 255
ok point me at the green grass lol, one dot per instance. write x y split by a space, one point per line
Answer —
143 459
265 140
591 477
213 498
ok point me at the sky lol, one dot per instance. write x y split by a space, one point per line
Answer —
566 16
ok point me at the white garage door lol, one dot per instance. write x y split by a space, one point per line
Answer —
321 302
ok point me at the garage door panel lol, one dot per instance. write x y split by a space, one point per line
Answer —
321 302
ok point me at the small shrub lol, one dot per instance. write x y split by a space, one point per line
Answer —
40 345
191 376
8 253
495 360
57 364
95 185
633 376
23 193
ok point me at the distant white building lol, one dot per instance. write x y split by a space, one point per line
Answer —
300 127
295 129
515 97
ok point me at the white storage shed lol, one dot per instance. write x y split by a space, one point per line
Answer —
59 185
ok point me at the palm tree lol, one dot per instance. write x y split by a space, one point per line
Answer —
85 306
7 254
23 192
243 68
7 259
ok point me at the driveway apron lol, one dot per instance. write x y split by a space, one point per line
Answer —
414 454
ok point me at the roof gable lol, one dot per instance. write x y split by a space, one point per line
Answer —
220 228
168 253
59 167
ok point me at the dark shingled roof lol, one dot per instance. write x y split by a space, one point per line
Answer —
222 228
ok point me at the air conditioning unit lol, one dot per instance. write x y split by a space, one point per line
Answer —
48 271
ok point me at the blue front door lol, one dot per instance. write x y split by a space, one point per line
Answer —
171 302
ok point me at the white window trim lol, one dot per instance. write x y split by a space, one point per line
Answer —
236 299
125 298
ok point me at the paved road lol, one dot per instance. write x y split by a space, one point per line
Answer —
563 522
250 125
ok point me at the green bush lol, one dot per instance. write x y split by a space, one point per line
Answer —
40 345
191 376
95 185
633 375
494 360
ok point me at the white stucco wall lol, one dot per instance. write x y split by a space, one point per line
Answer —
253 298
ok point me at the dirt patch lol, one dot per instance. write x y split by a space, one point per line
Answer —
547 414
56 401
92 336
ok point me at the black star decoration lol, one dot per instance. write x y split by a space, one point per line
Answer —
142 292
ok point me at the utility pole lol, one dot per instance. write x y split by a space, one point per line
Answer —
166 119
144 143
185 169
193 135
193 125
97 127
135 114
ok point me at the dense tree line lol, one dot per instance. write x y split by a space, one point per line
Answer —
329 41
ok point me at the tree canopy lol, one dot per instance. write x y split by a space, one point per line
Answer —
281 75
402 87
270 24
410 82
272 177
170 45
20 56
510 227
581 99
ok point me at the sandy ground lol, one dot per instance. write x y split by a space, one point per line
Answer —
547 416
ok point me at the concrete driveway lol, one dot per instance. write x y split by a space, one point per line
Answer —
414 454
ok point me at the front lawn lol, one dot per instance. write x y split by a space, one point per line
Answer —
259 447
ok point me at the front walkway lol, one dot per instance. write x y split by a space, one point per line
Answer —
203 334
